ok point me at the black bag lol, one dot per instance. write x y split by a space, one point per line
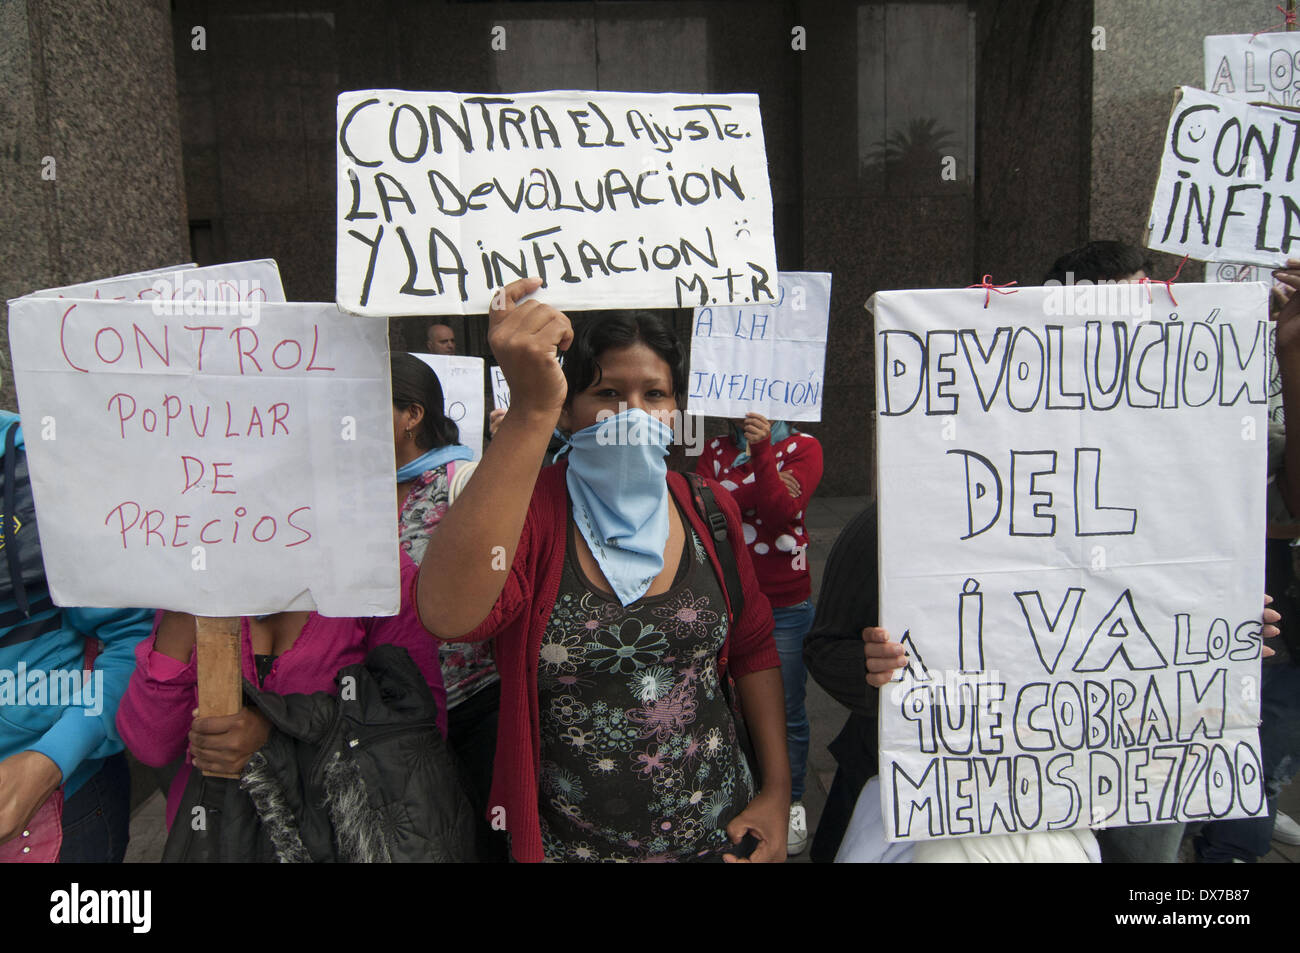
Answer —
357 775
24 567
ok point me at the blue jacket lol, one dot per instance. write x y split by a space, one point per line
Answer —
44 705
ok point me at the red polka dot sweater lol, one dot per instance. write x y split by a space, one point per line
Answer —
773 520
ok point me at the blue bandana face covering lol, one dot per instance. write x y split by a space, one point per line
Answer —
434 458
618 483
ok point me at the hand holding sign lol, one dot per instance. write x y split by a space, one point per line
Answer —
757 428
1288 327
523 336
221 745
884 657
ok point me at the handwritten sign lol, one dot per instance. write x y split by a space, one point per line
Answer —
462 394
95 289
651 200
230 283
204 465
1255 68
1227 190
768 359
1071 550
500 389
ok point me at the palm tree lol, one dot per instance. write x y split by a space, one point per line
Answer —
914 155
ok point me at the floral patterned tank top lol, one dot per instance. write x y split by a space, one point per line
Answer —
639 758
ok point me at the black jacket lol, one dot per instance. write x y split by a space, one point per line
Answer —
832 653
359 776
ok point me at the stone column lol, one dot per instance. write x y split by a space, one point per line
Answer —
90 158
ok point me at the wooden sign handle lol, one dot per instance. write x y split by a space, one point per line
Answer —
221 680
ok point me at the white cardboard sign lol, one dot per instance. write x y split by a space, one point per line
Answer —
96 289
1071 550
1249 68
652 200
769 359
1254 68
1227 190
230 283
205 465
500 389
462 394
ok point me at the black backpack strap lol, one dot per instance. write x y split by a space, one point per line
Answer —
707 506
10 529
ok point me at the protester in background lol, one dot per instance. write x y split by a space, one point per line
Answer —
1248 839
772 470
65 790
430 461
833 653
440 339
603 587
1100 261
286 653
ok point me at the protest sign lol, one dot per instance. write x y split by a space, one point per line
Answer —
768 359
96 289
653 200
236 282
462 395
1071 511
500 389
1254 67
207 466
1227 190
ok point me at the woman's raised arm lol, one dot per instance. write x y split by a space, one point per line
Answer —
470 553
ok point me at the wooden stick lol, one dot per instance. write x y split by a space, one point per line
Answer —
221 680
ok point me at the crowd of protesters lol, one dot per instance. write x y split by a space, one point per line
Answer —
596 658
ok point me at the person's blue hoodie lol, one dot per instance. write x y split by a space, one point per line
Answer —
42 654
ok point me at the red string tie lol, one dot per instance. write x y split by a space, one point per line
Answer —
989 287
1169 285
1289 17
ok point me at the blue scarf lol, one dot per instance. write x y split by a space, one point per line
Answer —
618 483
780 431
434 458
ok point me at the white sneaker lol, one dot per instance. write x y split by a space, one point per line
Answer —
797 839
1285 829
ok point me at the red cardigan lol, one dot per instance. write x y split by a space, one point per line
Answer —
518 622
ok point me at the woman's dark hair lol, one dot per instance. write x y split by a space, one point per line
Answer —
414 382
595 332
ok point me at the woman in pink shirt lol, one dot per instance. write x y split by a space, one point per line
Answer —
286 653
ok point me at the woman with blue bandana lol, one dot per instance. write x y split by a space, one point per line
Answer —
615 635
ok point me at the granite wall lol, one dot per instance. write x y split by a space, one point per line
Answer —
90 170
1151 47
257 112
